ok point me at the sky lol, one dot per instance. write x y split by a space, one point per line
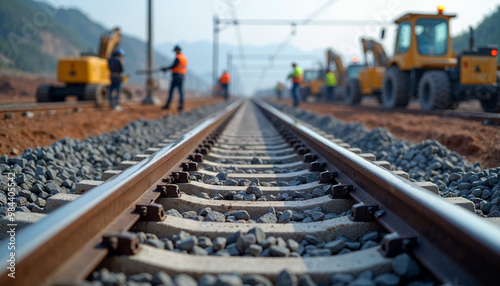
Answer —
192 20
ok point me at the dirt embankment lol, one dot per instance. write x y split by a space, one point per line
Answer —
472 139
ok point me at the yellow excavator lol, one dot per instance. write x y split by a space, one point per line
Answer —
311 83
369 79
343 74
86 77
424 67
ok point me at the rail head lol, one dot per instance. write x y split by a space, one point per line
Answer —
47 244
436 221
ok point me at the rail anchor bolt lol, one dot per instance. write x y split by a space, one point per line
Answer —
328 177
124 243
363 212
341 191
394 244
151 212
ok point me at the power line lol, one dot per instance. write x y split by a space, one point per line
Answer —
290 22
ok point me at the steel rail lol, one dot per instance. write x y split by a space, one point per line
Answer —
66 246
456 245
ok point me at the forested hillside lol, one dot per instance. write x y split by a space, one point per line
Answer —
34 35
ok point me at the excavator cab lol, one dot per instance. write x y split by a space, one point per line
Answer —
424 66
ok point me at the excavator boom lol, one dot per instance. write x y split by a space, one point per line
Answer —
377 50
109 41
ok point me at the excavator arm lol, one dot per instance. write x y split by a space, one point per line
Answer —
332 57
377 50
109 41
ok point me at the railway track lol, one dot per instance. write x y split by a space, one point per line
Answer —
294 202
45 106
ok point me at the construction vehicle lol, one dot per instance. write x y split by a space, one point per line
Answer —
312 83
343 74
425 67
86 77
370 76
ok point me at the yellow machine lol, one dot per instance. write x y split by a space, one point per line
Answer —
343 74
86 77
370 76
424 67
312 83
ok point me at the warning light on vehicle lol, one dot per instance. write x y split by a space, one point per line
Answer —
440 9
354 59
494 53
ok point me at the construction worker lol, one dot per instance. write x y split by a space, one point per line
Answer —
296 76
116 69
279 89
330 83
178 68
224 81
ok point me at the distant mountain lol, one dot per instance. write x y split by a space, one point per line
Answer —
486 33
34 35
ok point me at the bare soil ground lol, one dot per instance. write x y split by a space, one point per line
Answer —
19 132
472 139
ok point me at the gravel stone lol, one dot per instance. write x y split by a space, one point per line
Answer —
245 241
228 280
254 190
306 280
343 279
207 280
185 280
256 280
286 278
317 216
162 278
267 218
285 217
279 251
258 233
405 266
187 244
173 212
233 237
254 250
204 241
335 246
141 277
215 216
155 242
387 279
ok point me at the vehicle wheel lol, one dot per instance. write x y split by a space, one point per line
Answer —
492 104
352 94
96 92
434 91
43 93
395 89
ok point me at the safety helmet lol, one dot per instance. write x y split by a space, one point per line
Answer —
120 52
177 48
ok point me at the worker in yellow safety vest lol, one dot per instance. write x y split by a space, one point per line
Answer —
330 83
296 76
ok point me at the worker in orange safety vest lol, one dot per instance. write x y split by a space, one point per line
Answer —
179 68
224 81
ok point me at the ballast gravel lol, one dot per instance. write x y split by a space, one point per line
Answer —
426 161
255 243
271 216
404 271
42 172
